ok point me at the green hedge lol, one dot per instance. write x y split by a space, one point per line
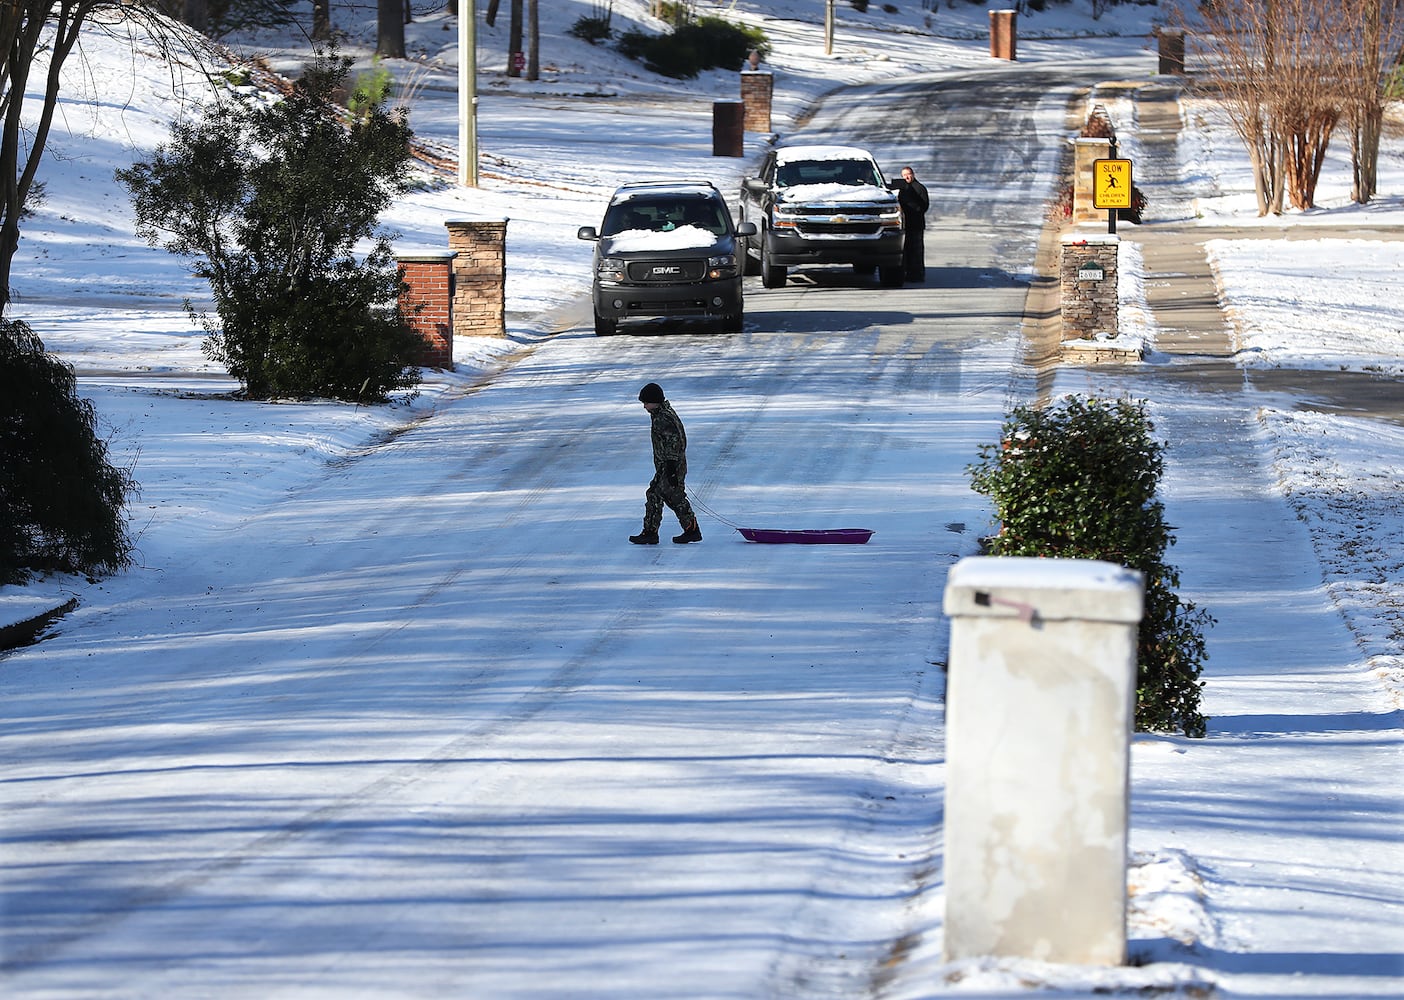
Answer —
703 44
1078 481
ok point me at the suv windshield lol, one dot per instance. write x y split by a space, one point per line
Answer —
850 172
663 214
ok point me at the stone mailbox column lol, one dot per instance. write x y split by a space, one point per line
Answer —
1039 711
1087 151
1004 34
480 277
1089 278
757 95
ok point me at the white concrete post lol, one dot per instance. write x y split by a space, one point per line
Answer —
1040 706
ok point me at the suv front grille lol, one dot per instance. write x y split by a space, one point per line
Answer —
666 272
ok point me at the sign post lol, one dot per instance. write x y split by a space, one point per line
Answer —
1111 187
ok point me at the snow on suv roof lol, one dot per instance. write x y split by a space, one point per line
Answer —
787 153
625 191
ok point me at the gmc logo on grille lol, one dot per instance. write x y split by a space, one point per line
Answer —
667 270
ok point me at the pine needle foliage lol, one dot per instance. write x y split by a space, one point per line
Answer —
62 503
1078 481
270 199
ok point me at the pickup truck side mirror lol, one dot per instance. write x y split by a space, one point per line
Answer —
747 229
755 185
586 233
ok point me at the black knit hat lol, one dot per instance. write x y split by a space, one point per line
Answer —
651 393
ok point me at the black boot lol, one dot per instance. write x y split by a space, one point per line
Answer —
691 533
649 536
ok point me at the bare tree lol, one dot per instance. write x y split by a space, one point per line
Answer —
1374 32
533 67
1237 40
1282 71
40 36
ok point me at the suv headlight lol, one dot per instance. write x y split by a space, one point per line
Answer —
722 266
610 269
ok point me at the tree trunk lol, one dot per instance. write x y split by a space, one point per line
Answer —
1365 154
491 17
195 13
390 29
321 20
514 39
533 41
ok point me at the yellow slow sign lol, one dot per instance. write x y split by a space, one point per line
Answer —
1111 183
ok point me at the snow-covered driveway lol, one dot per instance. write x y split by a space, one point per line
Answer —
430 709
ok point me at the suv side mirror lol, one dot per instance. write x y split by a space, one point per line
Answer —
586 233
747 229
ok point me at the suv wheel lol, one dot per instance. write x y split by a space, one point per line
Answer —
772 275
733 323
605 327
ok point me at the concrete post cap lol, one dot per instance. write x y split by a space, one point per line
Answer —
1046 589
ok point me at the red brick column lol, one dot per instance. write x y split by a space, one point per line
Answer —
1004 34
757 95
428 304
480 277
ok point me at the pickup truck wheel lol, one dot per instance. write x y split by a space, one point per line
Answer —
772 275
750 266
605 327
891 276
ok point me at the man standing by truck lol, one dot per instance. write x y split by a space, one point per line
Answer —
911 195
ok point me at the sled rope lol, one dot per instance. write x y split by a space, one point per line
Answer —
709 511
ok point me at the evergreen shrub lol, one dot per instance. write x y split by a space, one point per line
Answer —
591 29
703 44
1078 480
62 503
271 200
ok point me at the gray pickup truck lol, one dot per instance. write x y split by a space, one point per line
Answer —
821 205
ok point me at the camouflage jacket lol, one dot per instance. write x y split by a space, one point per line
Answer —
669 438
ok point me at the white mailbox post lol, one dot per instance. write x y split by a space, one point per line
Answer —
1040 708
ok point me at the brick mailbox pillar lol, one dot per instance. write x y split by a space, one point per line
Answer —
728 128
1040 706
1088 276
480 277
1004 34
1171 51
757 95
428 304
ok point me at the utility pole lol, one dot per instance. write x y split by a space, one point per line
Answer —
829 27
467 93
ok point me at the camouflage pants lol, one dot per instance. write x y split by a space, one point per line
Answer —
660 492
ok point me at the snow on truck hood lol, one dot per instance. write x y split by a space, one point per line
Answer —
845 193
682 238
